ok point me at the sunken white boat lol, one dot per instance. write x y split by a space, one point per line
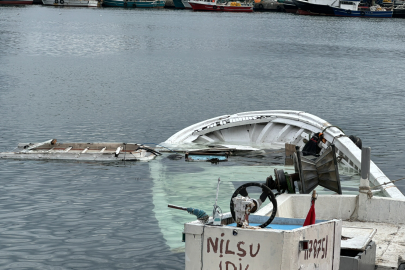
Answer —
51 149
274 129
258 136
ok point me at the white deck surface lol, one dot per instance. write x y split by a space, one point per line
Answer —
390 241
356 238
386 215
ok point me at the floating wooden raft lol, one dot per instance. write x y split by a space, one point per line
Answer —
51 149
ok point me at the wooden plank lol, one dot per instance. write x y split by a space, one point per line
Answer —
35 145
289 153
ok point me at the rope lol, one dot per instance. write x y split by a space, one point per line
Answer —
366 190
202 248
354 214
323 131
386 183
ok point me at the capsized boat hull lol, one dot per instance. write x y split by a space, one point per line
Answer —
81 151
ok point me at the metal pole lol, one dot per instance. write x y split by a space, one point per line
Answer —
365 162
216 199
177 207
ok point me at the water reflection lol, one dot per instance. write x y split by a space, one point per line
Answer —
193 184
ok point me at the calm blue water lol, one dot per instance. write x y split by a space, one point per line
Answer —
110 74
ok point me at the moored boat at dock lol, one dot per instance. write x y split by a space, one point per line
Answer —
351 9
268 5
73 3
178 4
315 7
16 2
134 3
222 6
362 13
399 11
341 8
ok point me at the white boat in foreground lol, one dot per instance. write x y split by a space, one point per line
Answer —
51 149
274 129
73 3
350 232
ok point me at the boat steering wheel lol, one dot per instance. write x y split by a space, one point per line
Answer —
267 193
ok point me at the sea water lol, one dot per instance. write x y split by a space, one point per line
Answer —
139 76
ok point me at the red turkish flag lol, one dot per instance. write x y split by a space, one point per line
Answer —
310 219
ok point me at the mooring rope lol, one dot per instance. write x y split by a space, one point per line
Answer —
386 183
366 190
369 192
323 131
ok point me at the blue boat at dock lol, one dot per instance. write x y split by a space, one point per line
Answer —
367 13
178 4
355 11
134 3
352 8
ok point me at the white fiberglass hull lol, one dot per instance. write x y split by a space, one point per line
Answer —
73 3
273 129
